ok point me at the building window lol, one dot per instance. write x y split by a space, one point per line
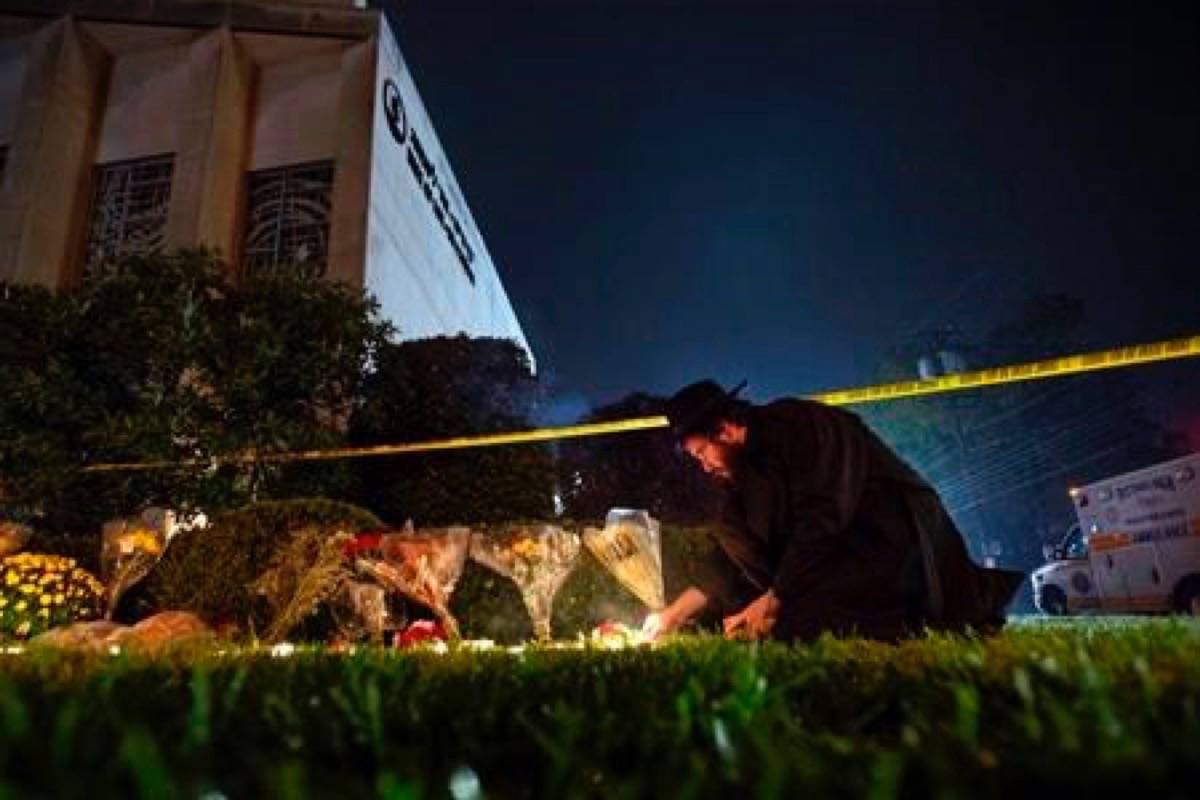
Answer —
129 209
3 162
287 223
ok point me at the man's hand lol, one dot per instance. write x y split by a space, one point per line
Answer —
755 621
689 603
656 624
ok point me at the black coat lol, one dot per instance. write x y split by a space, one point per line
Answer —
851 539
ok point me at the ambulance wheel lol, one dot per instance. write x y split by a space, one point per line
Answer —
1187 596
1053 601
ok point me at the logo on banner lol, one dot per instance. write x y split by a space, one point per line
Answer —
425 173
393 111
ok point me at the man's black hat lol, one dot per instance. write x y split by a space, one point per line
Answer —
695 406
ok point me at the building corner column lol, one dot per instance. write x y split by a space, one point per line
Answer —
207 191
352 166
43 221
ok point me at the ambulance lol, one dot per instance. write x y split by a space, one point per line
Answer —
1134 549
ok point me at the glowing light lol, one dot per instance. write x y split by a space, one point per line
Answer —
477 644
464 784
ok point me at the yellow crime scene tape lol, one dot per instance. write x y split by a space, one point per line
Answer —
1015 373
963 381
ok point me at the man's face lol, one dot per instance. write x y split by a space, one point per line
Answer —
715 453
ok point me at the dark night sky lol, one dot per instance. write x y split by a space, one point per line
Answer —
783 191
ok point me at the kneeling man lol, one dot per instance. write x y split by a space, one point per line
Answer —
830 529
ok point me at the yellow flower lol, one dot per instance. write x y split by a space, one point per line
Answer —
11 578
3 601
21 605
44 613
28 588
142 539
60 598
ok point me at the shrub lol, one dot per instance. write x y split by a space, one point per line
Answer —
446 387
209 571
166 357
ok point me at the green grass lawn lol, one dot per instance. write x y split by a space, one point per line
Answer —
1096 706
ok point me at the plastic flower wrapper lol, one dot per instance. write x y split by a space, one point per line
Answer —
424 566
360 611
630 547
129 550
537 558
13 536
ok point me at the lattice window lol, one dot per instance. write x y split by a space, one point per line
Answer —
288 217
129 209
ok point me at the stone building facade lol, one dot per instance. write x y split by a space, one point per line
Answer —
284 134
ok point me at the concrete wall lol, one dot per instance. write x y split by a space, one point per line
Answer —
210 165
76 94
318 19
12 73
295 120
45 194
415 265
314 103
147 97
352 165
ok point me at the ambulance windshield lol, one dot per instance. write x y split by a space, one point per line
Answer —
1073 544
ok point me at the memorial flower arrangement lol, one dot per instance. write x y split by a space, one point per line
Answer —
423 566
630 547
39 592
537 558
129 550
